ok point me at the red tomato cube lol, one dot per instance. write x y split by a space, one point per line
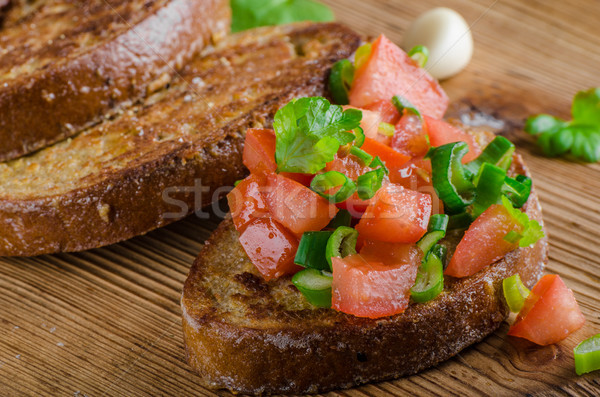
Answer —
270 247
391 253
390 71
391 157
483 243
246 201
396 215
549 314
259 151
410 136
441 133
386 109
416 175
371 289
297 207
369 123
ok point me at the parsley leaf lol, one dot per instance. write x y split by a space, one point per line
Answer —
309 133
580 137
248 14
532 230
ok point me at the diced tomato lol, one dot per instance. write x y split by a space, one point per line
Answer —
390 71
396 215
270 247
304 179
259 151
369 123
297 207
371 289
416 175
391 253
352 167
410 136
441 133
549 314
483 243
390 157
386 109
247 202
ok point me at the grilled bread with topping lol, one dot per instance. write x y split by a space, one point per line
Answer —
66 65
249 335
118 179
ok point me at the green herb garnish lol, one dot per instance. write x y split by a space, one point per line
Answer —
248 14
309 133
580 137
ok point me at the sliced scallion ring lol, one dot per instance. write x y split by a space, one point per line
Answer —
377 162
341 243
441 252
364 157
362 55
386 129
323 183
340 81
311 250
315 286
498 152
369 183
587 355
438 222
517 190
403 104
515 293
420 54
451 180
360 136
459 221
490 181
430 279
342 218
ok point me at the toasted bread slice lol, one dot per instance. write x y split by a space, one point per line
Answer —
250 336
117 179
64 65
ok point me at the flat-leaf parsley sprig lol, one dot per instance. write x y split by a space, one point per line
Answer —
580 137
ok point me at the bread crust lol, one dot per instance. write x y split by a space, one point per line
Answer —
123 197
76 86
249 336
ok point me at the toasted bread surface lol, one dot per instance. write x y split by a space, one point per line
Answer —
250 336
65 65
120 178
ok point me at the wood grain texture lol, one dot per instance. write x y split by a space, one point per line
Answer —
107 321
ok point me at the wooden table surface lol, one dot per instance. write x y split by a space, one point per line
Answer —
107 321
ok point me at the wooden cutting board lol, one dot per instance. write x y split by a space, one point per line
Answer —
107 321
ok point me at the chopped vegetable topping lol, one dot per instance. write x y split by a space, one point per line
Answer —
312 250
515 292
531 230
420 54
309 133
248 14
341 243
580 137
587 355
315 285
340 81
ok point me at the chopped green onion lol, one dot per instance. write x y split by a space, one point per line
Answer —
403 104
438 222
360 136
364 157
451 180
377 162
428 241
340 81
369 183
459 221
498 152
237 182
362 55
430 280
315 286
420 54
513 237
341 243
517 190
587 355
322 183
489 188
311 250
441 252
342 218
515 292
386 129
